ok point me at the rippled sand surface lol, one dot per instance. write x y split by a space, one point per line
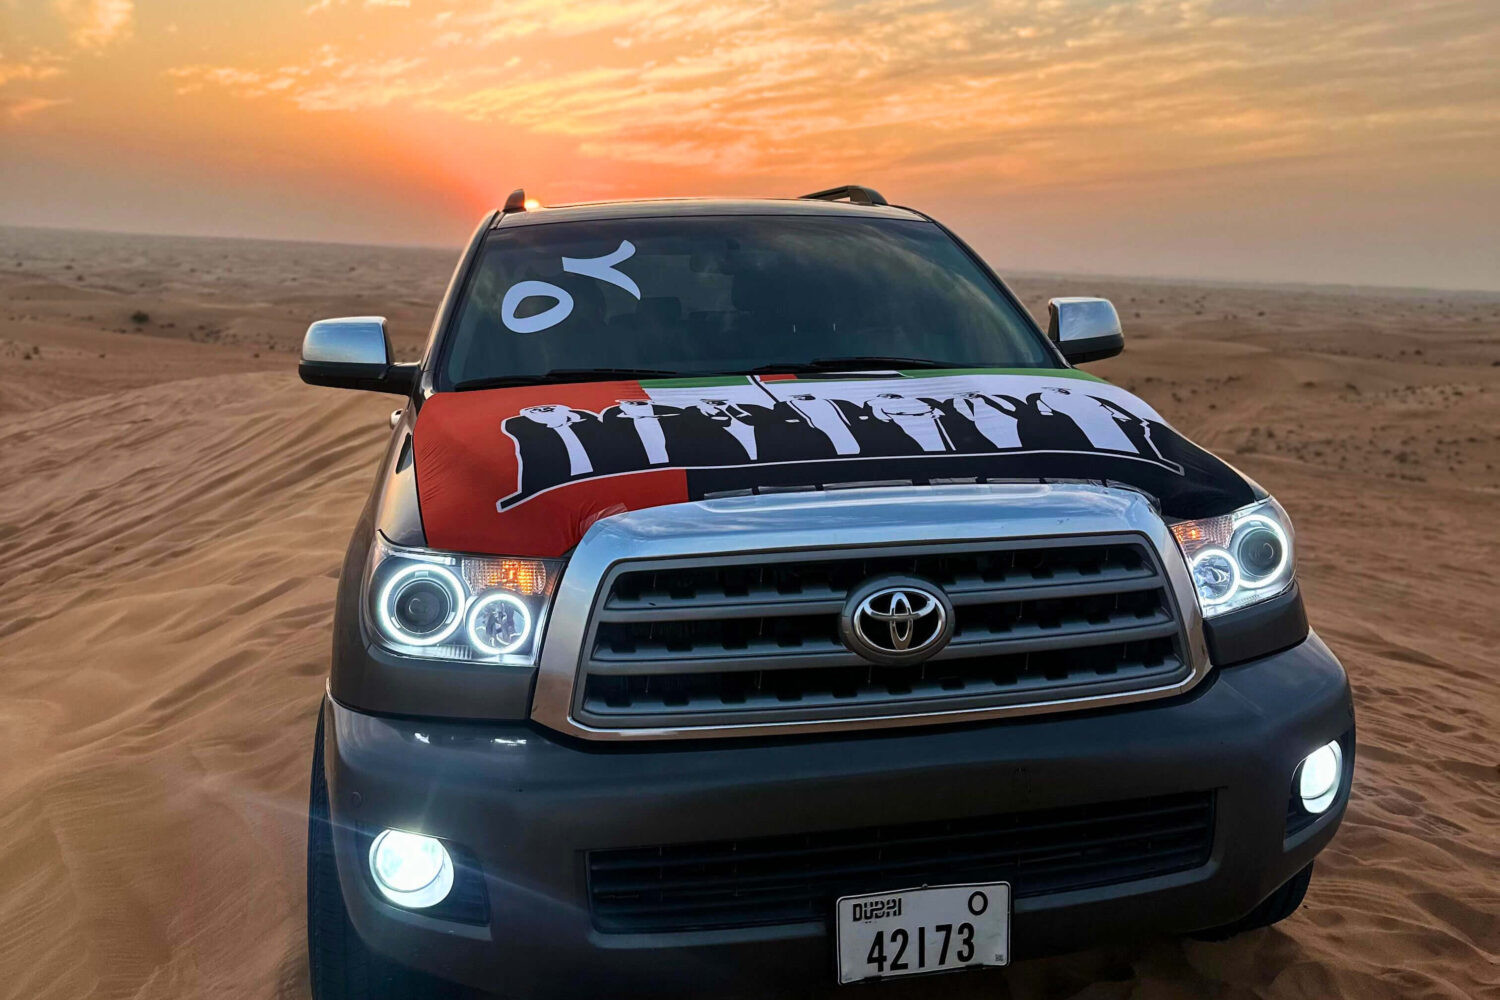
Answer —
176 503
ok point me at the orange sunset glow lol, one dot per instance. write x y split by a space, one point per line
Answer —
1310 141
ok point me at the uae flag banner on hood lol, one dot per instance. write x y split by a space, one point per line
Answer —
527 470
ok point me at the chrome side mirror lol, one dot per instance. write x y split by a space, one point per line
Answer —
353 353
1084 329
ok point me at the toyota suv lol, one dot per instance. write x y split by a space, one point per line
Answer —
754 599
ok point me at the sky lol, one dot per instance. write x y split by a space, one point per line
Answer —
1281 140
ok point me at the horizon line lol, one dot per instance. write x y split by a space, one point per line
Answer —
1004 272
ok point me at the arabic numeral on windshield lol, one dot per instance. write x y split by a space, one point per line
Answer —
598 268
561 309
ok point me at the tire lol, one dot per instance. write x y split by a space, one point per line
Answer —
339 964
1273 909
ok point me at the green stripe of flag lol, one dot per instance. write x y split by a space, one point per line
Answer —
702 382
718 381
951 372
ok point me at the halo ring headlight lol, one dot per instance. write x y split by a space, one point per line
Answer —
427 604
399 581
1238 559
1244 529
1215 568
496 604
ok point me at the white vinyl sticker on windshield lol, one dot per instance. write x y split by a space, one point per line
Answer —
603 268
598 268
523 290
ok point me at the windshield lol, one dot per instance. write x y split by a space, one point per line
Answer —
692 296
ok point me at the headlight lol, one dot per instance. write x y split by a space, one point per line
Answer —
447 606
1238 559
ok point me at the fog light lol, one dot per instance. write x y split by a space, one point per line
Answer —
411 870
1318 777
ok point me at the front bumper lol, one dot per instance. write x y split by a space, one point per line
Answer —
527 805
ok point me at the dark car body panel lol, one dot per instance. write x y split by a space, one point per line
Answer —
527 804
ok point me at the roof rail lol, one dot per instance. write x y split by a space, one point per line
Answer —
857 195
516 202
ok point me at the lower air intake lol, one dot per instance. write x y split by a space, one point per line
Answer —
797 878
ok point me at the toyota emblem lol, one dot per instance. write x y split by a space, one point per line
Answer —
896 620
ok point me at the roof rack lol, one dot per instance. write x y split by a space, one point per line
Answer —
857 195
516 202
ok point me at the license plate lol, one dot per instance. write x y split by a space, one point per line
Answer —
913 931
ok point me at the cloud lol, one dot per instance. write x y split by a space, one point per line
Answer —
39 67
1008 91
17 108
321 5
94 24
330 82
245 82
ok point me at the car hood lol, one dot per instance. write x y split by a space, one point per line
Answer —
526 470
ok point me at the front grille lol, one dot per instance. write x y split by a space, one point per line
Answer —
797 878
755 638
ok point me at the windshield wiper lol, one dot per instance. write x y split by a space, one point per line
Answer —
559 375
851 362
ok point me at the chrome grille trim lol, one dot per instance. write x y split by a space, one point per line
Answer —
881 522
830 600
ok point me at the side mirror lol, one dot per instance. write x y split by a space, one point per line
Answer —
353 353
1084 329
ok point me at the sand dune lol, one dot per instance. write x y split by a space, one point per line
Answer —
176 504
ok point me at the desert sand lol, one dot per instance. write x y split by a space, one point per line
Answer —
176 504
